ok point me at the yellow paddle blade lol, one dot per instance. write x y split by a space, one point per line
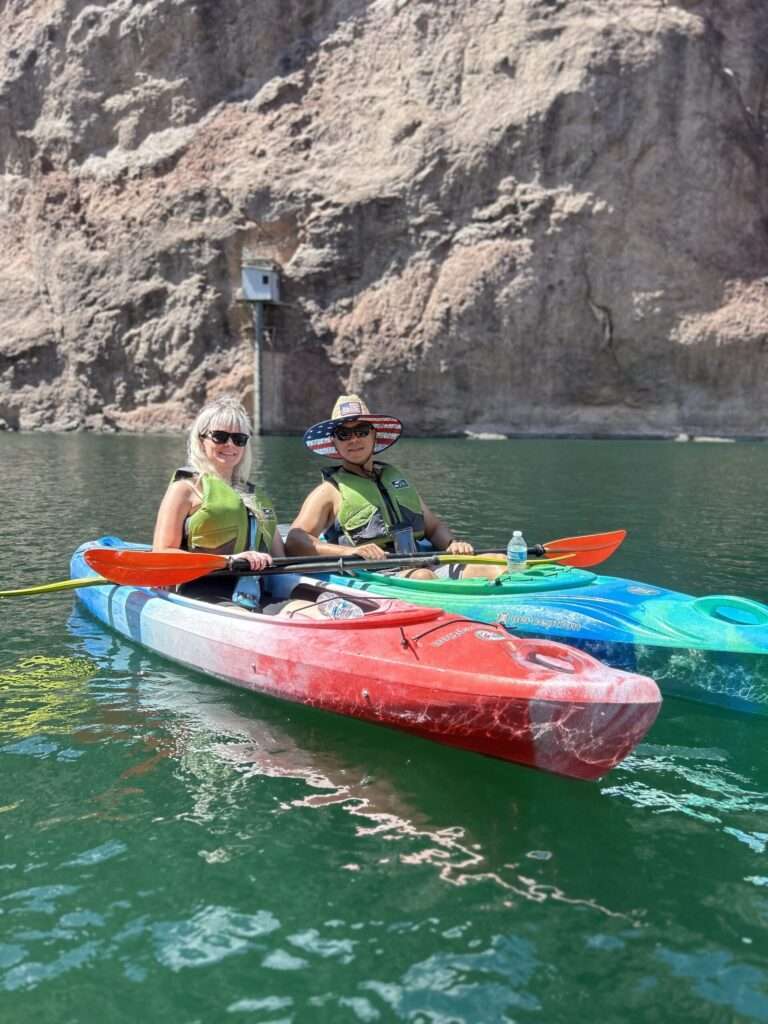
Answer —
52 588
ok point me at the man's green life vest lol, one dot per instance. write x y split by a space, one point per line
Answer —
372 506
227 521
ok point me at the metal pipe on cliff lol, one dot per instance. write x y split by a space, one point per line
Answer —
260 285
258 341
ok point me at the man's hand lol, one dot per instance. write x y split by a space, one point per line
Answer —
460 547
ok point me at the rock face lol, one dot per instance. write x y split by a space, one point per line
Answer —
503 216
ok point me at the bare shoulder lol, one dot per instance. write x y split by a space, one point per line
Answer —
318 508
325 493
181 493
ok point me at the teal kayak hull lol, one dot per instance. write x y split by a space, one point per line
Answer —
710 649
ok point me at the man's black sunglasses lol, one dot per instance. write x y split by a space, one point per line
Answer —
222 436
347 433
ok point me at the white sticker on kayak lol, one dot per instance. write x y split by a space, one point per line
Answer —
453 635
485 634
545 618
642 590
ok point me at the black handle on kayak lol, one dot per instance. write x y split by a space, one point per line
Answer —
537 551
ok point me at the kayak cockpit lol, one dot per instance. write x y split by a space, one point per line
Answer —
534 579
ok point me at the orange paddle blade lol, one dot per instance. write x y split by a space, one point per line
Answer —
152 568
586 550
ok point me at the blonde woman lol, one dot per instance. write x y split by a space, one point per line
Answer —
210 505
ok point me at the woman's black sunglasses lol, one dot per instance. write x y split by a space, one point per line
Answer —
222 436
345 434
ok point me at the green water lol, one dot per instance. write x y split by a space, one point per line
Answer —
172 849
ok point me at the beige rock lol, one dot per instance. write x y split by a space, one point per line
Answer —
492 216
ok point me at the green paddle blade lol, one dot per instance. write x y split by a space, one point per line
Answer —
52 588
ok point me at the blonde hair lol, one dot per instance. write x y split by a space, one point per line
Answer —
222 414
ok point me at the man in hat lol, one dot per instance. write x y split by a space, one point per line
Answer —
362 502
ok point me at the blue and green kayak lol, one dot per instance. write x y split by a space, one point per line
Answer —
712 649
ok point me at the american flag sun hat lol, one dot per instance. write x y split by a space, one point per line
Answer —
319 438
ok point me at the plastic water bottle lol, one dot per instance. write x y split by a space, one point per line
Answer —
517 553
333 607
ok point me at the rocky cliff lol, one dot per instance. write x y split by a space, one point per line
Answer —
493 215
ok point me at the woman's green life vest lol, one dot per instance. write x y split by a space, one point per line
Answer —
372 506
227 521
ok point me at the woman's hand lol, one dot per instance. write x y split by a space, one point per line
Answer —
460 547
257 560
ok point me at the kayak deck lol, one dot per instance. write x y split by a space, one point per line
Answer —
711 649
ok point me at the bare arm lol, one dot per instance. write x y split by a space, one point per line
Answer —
316 515
440 536
277 550
178 502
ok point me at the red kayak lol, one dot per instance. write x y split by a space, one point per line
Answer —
437 675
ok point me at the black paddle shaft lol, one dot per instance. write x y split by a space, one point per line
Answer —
240 566
321 564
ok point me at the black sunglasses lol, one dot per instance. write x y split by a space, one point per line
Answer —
222 436
346 434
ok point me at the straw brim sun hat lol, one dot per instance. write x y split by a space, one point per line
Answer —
319 438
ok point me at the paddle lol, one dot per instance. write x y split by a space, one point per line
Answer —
163 569
340 565
152 568
583 551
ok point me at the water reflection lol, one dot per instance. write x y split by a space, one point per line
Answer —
43 695
704 783
394 788
487 859
209 734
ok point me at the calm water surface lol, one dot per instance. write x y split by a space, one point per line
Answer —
172 849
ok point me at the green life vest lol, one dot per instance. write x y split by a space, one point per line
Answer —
371 507
227 521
